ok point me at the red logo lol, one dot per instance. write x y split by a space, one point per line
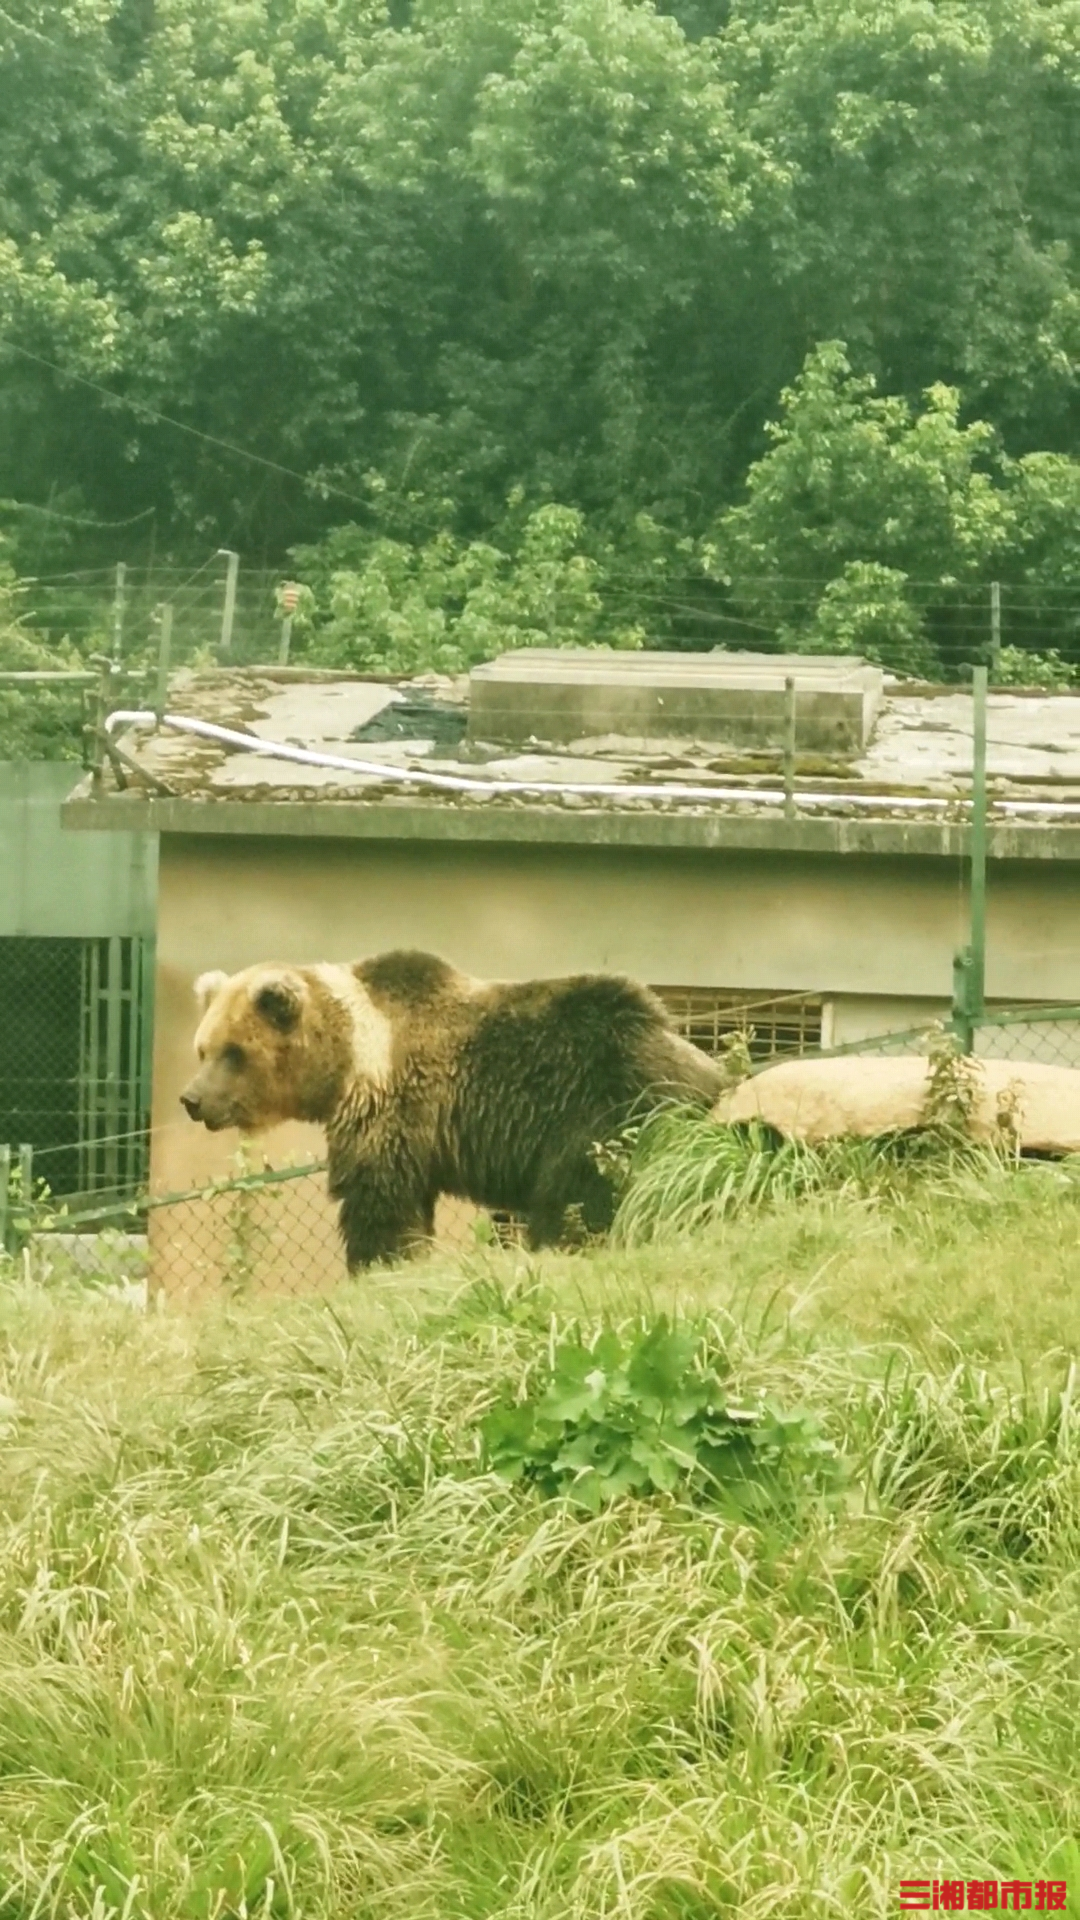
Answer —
982 1896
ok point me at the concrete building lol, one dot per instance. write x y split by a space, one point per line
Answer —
76 945
823 921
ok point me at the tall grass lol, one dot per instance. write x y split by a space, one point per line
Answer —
271 1642
686 1170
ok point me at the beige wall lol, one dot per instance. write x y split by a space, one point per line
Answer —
856 1017
857 930
790 923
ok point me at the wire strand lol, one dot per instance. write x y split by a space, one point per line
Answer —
166 420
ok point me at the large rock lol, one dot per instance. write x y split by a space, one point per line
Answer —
866 1095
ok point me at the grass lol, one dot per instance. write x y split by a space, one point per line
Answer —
681 1170
273 1643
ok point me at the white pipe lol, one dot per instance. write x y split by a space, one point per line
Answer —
593 790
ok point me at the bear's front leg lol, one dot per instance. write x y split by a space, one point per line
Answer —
379 1219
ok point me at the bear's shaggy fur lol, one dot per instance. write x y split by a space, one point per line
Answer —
429 1082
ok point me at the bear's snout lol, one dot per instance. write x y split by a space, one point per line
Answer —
209 1117
205 1103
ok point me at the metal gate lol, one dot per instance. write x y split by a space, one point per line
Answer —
75 1050
114 1064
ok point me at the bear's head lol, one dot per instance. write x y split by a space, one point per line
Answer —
274 1043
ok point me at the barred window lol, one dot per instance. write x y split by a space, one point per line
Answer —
778 1024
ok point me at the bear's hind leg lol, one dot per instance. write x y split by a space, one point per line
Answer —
579 1184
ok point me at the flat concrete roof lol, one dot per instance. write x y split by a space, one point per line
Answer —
921 745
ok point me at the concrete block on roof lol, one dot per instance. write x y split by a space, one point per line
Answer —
562 694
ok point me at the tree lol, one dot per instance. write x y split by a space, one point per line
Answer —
392 608
862 502
933 217
568 249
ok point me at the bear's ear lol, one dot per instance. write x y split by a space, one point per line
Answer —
207 988
279 1002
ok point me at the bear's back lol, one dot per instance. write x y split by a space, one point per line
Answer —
549 1067
407 979
582 1042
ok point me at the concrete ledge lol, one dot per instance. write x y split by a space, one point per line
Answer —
560 695
490 823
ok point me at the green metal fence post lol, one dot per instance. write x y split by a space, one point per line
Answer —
978 846
145 954
118 613
129 1172
228 610
789 747
26 1189
161 693
114 987
969 965
90 1068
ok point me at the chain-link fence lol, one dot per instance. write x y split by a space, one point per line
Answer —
1030 1035
276 1231
1050 1037
272 1232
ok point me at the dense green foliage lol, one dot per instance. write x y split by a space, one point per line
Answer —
650 1411
398 607
274 1642
45 722
432 268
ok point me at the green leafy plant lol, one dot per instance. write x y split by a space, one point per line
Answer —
647 1414
1023 667
382 605
30 1209
867 611
247 1221
953 1087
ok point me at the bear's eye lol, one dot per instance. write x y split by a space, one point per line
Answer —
233 1056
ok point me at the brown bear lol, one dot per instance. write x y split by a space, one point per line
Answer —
429 1082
